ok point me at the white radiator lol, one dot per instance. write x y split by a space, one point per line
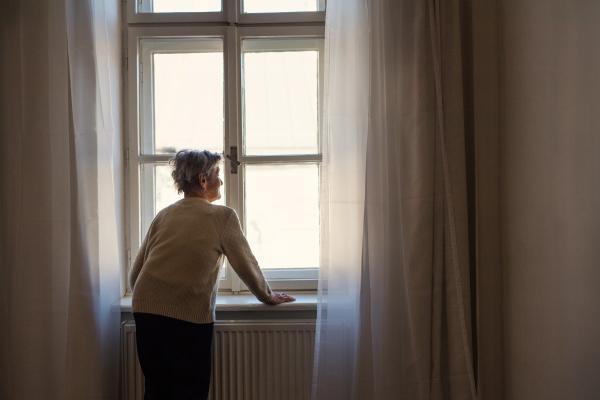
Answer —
252 360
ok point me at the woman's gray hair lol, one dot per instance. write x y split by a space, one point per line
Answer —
188 164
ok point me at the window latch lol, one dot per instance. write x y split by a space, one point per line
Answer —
233 158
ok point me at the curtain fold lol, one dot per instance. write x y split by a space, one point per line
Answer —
394 317
59 275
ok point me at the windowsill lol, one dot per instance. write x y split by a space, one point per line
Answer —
304 302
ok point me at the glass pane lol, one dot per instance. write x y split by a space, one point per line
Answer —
275 6
188 102
182 6
157 191
281 90
282 214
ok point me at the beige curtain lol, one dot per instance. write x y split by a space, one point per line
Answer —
395 294
59 265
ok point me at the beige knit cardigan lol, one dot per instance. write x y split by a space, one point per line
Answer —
177 269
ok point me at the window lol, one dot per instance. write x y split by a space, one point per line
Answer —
244 79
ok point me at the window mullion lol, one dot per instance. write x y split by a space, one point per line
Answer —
231 7
305 158
233 138
155 158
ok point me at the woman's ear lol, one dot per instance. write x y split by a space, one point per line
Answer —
202 180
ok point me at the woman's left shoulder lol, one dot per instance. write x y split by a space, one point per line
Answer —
222 211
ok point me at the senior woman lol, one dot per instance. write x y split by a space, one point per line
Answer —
175 275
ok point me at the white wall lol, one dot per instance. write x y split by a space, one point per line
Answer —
549 92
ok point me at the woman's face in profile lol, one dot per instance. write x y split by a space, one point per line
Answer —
213 186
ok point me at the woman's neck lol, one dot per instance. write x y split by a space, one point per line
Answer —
194 194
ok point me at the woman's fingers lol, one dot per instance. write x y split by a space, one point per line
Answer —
279 298
287 297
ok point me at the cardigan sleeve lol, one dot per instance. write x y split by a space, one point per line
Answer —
238 252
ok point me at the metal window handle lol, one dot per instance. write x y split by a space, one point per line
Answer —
233 158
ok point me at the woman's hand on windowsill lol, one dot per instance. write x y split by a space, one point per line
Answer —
279 298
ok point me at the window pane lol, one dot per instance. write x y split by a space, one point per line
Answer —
281 90
157 191
282 214
182 86
188 102
276 6
168 6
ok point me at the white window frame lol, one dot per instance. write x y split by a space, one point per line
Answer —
232 31
231 13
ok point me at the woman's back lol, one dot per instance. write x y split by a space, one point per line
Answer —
177 268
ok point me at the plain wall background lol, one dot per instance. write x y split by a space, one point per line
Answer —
549 120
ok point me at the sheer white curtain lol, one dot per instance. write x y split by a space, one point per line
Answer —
59 276
394 311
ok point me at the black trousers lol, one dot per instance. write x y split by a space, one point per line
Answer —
175 357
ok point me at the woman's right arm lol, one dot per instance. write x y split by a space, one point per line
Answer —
238 253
